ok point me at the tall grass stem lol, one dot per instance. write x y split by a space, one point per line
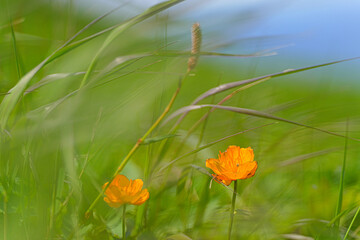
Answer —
352 222
342 177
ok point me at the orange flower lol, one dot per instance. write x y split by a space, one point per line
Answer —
235 163
123 191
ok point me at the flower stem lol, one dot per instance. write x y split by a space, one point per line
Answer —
124 222
232 209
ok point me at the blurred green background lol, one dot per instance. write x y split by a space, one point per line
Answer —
60 144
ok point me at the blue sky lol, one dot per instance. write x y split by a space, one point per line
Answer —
315 31
316 27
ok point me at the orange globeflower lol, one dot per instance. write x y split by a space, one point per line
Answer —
123 191
235 163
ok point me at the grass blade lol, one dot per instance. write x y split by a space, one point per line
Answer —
19 65
206 115
342 178
14 94
346 211
48 108
49 79
352 222
120 29
10 100
227 86
304 157
68 46
250 112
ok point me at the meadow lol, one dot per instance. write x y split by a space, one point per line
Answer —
85 97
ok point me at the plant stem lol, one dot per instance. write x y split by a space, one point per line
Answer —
134 148
232 209
5 215
342 177
352 222
124 222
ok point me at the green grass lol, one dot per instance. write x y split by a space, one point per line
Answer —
78 94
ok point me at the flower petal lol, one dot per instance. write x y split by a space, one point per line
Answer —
122 191
136 186
113 193
214 165
121 181
143 196
244 171
246 155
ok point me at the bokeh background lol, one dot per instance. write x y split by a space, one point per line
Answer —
61 144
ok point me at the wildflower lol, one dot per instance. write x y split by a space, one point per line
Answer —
124 191
235 163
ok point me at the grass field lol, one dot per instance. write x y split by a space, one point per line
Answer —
85 98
